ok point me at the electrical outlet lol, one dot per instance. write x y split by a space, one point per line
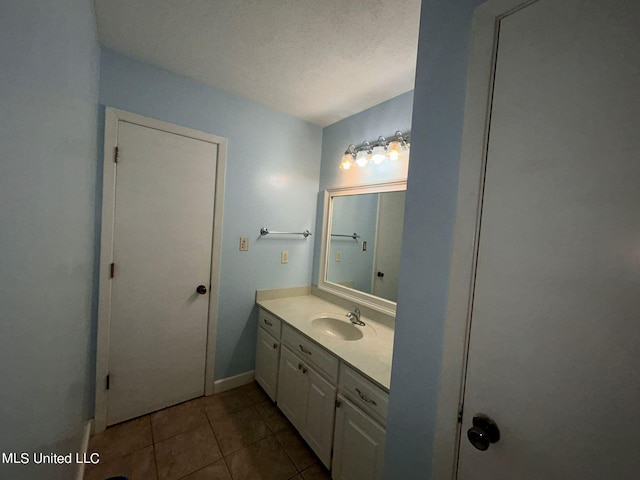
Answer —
284 256
338 256
244 244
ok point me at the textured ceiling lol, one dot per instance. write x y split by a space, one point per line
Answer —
320 60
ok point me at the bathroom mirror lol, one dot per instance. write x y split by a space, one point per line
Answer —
361 241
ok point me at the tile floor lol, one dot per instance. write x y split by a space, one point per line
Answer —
235 435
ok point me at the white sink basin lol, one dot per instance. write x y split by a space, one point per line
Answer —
333 326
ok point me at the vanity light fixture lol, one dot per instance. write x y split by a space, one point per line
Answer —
394 149
382 150
379 151
362 157
348 158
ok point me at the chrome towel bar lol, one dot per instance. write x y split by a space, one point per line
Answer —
265 231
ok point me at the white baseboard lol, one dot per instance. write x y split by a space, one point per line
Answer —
225 384
84 447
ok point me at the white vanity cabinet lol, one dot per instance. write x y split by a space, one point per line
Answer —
361 413
337 410
306 394
268 353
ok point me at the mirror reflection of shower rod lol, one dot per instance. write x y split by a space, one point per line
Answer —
355 236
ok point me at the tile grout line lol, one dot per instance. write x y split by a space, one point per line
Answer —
271 433
284 449
224 459
131 452
153 443
251 443
255 403
288 455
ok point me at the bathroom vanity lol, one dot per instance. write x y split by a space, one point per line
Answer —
329 377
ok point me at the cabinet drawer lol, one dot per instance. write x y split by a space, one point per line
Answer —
269 322
313 354
364 393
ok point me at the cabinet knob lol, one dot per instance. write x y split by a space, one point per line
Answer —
275 345
304 371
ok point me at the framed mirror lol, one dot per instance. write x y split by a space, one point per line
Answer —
361 242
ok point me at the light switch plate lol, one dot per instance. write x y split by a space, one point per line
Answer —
284 256
244 244
338 256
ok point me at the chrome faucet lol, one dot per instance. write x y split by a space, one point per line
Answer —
355 317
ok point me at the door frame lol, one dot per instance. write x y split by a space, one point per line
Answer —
112 117
477 117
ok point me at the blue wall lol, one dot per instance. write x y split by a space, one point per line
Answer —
382 119
428 235
272 180
49 90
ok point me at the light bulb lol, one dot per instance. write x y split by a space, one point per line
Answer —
378 154
362 158
394 150
347 161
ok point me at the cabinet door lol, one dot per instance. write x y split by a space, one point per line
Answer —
291 388
320 414
267 357
358 445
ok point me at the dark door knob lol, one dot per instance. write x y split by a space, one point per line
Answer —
483 433
380 274
201 289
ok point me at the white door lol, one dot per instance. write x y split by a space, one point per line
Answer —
554 349
388 244
164 204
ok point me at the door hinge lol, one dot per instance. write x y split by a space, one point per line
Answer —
108 381
116 155
112 272
460 410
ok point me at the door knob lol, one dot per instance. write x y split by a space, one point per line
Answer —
483 433
381 274
201 289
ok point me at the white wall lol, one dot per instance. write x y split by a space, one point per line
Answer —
48 90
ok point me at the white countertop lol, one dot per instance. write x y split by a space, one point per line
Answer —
371 355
